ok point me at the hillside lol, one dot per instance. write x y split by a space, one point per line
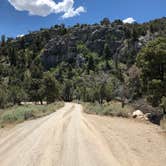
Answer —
86 62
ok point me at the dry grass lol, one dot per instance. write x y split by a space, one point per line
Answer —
113 108
19 114
163 123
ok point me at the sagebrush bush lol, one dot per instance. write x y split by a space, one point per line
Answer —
110 109
18 114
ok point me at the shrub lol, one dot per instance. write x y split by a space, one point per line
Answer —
110 109
151 60
163 104
18 114
3 96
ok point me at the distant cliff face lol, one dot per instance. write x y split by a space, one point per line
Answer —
123 40
59 43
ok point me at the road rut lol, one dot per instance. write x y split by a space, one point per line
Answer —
69 137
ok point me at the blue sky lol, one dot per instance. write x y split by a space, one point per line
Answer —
16 21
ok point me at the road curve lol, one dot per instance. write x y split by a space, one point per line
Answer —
69 137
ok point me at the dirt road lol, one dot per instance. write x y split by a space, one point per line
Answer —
69 137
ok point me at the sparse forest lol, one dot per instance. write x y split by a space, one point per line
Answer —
95 63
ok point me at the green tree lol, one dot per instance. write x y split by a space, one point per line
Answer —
35 90
82 49
52 87
3 46
17 94
4 96
12 56
163 104
152 61
68 90
107 52
3 40
92 61
155 93
105 22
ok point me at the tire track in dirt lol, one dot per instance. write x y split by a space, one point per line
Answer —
69 137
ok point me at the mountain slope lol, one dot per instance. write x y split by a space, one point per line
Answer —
78 59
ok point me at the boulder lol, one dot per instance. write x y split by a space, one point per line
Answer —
138 114
147 116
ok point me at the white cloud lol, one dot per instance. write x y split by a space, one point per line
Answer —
129 20
72 12
20 36
46 7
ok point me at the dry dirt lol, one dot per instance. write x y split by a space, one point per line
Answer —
69 137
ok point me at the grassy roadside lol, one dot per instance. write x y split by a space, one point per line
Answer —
112 108
163 123
17 114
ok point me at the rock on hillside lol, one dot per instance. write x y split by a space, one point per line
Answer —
123 40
